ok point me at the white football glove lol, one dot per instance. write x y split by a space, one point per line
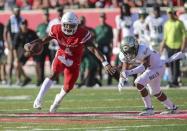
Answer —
122 82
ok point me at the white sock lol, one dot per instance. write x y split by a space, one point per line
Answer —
44 88
167 103
147 101
59 97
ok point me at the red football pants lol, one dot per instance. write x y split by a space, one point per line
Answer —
70 73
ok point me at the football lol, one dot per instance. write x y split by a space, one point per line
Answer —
35 47
117 73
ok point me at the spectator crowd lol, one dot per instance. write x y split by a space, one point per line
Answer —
77 4
162 31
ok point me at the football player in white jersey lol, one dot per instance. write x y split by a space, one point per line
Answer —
124 22
151 70
155 24
139 26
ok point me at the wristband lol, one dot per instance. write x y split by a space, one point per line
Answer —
105 63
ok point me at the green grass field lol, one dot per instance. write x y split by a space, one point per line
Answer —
19 100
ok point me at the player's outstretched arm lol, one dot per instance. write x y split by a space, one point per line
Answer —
35 47
91 47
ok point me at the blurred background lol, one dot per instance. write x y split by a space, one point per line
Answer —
22 21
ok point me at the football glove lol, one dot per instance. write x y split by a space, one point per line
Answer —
122 83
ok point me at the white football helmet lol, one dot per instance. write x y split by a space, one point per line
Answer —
69 23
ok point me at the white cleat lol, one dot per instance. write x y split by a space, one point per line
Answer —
55 104
147 112
53 108
170 111
37 104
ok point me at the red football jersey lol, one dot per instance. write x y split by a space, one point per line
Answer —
71 46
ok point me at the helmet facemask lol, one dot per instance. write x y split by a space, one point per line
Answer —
69 29
129 47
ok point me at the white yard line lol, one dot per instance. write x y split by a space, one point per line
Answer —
23 127
23 97
9 110
40 129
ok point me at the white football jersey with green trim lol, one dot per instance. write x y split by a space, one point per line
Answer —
143 52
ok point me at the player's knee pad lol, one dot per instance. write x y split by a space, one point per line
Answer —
142 90
158 94
140 87
161 96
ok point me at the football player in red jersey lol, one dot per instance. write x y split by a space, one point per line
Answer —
72 40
